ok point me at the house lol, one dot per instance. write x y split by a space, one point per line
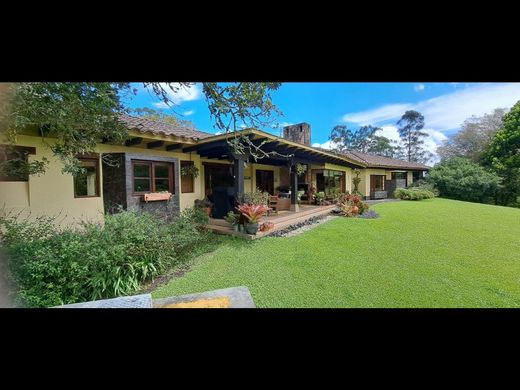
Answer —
118 176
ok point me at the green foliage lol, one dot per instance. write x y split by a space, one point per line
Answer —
231 218
162 116
365 140
425 185
416 193
473 138
190 170
460 178
355 181
412 138
98 261
76 115
301 169
319 197
503 155
254 197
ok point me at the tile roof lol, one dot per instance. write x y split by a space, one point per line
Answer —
375 161
161 128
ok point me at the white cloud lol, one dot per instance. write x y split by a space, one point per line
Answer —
188 113
242 126
380 114
161 105
449 111
184 94
418 87
326 145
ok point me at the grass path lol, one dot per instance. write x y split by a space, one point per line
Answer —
433 253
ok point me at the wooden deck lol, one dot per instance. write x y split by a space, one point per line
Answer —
281 220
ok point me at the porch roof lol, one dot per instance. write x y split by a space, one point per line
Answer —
217 147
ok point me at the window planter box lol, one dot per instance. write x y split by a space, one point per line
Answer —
156 196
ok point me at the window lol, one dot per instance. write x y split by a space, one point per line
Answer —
86 184
330 181
151 176
187 182
400 179
12 166
377 183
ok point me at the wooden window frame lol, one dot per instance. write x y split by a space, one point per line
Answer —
28 150
152 165
185 163
98 191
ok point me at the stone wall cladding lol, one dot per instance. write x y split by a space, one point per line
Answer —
163 209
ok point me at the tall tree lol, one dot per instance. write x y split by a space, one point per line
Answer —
365 140
161 115
473 138
79 115
412 138
503 154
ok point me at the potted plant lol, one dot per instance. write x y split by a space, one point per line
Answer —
204 204
252 213
319 197
190 170
232 218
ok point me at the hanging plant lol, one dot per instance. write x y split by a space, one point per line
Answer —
301 169
190 170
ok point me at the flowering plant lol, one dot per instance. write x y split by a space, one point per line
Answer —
252 212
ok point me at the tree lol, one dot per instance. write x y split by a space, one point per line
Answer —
412 138
460 178
503 154
161 115
474 137
80 115
365 140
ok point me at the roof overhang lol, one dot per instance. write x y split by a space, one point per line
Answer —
283 151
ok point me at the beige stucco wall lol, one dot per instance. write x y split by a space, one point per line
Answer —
48 194
53 192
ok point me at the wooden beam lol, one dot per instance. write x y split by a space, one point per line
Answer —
239 177
134 141
155 144
171 147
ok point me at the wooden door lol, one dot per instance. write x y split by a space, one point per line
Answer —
265 181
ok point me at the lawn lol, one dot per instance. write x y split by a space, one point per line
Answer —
432 253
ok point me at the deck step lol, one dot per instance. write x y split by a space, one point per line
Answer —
222 227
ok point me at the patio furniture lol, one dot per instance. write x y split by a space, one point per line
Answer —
277 204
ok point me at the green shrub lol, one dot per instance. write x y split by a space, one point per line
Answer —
425 185
460 178
98 261
414 193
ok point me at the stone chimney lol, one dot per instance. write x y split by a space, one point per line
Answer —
300 132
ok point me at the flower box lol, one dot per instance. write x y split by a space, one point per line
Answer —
155 196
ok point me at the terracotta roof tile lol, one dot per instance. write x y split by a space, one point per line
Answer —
374 161
161 128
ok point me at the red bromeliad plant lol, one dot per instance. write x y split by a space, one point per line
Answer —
252 212
352 205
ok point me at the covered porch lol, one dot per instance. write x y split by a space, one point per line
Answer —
281 220
226 175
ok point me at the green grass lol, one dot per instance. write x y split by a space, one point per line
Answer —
432 253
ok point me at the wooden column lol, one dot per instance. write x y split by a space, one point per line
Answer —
294 189
239 175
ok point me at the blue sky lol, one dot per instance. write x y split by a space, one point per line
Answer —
325 105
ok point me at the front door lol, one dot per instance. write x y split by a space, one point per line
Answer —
377 184
265 181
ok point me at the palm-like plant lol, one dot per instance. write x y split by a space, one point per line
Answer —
252 212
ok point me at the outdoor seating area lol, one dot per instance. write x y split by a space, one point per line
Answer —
281 220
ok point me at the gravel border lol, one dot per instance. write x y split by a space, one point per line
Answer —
301 227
